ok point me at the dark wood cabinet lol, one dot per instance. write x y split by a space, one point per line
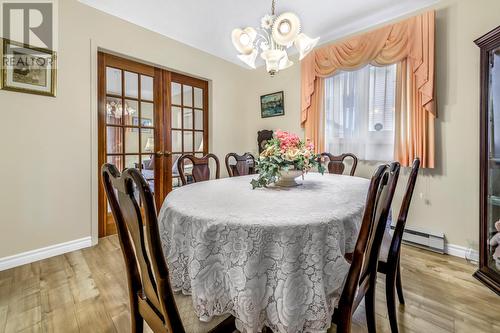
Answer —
489 239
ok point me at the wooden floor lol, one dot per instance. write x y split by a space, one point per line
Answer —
85 291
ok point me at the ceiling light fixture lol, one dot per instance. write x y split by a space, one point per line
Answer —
275 35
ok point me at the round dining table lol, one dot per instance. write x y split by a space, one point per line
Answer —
269 256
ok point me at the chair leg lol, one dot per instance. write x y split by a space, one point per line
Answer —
136 320
344 324
391 301
370 310
399 286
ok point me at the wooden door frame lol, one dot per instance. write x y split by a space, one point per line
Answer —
107 60
198 83
162 105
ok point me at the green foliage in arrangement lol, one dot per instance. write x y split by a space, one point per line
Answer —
285 152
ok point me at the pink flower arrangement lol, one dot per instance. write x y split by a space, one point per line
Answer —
285 151
287 140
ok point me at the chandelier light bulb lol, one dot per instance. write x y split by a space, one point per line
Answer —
244 39
284 27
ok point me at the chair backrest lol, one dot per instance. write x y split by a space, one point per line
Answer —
262 138
201 168
148 279
363 271
146 164
245 164
336 163
397 237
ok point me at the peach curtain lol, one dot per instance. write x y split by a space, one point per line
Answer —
409 43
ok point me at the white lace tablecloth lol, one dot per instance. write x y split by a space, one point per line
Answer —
271 256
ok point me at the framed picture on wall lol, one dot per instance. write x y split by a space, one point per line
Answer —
272 105
28 69
145 122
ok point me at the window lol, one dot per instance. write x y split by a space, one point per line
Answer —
359 112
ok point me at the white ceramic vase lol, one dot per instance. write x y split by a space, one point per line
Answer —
289 178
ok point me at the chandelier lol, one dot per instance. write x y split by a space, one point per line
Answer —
276 34
115 109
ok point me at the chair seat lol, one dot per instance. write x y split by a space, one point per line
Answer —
191 323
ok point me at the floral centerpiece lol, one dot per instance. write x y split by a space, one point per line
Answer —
285 158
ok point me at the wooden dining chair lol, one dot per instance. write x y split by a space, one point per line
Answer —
245 164
201 168
389 263
336 163
262 138
150 295
362 275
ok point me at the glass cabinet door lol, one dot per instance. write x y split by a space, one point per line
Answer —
493 208
489 171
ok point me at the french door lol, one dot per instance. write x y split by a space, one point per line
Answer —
145 113
189 120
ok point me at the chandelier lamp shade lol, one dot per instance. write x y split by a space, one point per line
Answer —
277 33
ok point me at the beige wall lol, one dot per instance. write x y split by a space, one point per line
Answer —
446 198
49 160
287 81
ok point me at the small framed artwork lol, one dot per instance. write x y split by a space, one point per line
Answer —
272 105
28 69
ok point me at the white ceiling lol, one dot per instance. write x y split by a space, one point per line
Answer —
207 24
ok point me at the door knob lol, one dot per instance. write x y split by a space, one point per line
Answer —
163 153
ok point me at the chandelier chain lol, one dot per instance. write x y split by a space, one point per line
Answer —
273 7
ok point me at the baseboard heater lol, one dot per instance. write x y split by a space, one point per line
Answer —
423 239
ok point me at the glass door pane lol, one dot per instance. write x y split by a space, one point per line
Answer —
494 159
113 81
130 122
188 114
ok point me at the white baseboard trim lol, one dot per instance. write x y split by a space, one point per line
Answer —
462 252
44 253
